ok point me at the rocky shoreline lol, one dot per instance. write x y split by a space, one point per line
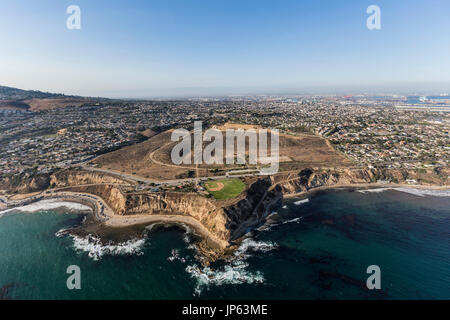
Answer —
219 225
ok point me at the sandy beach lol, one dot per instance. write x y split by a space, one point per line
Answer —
100 209
103 213
123 221
105 216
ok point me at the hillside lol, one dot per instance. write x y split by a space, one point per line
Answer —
151 159
33 100
8 93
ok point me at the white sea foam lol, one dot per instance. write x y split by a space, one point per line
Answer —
270 224
61 233
96 249
266 227
49 204
273 213
425 192
270 221
187 234
252 245
175 255
301 201
414 191
186 238
293 220
377 190
235 272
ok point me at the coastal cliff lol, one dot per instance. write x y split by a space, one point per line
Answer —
231 219
80 177
25 183
309 179
202 209
227 220
252 209
265 194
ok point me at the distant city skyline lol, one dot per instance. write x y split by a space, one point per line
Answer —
176 48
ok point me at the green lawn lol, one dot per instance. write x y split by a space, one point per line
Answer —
231 189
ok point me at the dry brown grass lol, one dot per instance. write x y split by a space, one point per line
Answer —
152 158
135 160
13 105
46 104
310 150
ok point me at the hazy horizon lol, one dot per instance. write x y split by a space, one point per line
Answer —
149 49
193 92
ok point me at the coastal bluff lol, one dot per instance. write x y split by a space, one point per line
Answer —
227 220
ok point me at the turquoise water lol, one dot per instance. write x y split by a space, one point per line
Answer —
318 249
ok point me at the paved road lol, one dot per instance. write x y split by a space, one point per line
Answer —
173 182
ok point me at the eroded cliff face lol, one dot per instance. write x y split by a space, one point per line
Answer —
309 179
80 177
264 194
222 218
25 184
229 219
252 209
205 210
60 179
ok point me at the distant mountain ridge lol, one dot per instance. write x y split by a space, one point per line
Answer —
34 100
9 93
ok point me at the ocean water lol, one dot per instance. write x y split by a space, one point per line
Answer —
314 248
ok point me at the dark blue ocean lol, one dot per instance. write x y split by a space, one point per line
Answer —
314 248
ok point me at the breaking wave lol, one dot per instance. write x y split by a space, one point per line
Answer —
175 255
255 246
297 203
50 204
293 220
414 191
96 249
62 232
235 272
376 190
425 192
273 213
270 223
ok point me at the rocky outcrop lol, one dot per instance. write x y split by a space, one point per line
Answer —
252 209
308 179
25 183
230 219
203 209
79 177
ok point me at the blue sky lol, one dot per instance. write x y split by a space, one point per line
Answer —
182 47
